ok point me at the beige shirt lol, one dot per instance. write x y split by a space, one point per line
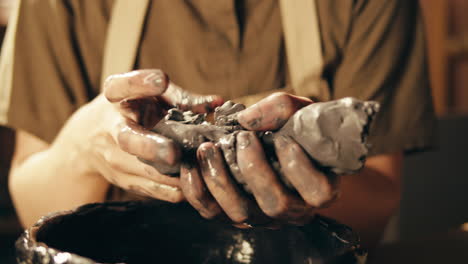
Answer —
373 50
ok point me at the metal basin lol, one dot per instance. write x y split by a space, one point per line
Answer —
155 232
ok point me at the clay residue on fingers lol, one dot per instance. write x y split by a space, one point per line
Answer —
221 185
333 134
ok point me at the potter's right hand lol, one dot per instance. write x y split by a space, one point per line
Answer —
211 189
131 104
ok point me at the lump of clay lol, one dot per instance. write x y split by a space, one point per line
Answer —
332 133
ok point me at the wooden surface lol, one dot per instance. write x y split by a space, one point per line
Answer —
447 41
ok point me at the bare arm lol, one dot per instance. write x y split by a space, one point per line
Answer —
368 199
44 179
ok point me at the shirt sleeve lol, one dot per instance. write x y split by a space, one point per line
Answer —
44 78
384 60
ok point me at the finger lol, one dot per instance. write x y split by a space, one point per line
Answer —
313 186
274 200
145 187
135 84
220 184
195 192
184 100
272 112
119 160
122 169
149 188
147 145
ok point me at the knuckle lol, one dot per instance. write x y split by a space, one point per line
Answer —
107 85
115 166
169 151
109 157
123 140
148 150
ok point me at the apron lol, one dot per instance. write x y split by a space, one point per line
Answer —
301 34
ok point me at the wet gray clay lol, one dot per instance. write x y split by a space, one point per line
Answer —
332 133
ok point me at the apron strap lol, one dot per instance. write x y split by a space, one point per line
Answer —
303 48
7 63
123 36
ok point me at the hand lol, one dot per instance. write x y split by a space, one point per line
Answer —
212 191
112 135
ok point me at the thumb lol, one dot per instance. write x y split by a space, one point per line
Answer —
135 85
185 100
272 112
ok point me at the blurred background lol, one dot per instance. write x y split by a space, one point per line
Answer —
432 225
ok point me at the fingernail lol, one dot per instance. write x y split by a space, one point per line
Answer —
205 153
243 140
157 79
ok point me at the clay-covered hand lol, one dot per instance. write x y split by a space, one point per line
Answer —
212 191
140 99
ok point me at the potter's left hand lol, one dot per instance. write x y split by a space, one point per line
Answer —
212 190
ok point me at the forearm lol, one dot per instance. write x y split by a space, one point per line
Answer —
49 181
367 201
